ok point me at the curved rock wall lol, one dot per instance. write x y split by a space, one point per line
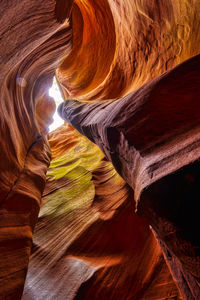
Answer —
89 243
152 138
147 126
120 45
151 135
31 47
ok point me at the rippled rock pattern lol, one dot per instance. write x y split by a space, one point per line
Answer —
31 47
117 223
88 231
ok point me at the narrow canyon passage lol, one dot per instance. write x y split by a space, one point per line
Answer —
105 204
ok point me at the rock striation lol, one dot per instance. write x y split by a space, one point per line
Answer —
119 219
151 138
88 233
32 43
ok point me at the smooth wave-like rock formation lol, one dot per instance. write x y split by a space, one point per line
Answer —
88 231
32 45
132 68
149 135
120 45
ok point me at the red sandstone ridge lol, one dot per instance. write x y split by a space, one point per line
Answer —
119 219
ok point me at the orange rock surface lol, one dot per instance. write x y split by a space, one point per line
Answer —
117 223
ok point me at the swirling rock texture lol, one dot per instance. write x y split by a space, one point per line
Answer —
117 223
88 231
30 34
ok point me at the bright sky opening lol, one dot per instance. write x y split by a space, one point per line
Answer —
55 93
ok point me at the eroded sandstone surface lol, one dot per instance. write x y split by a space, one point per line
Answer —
116 188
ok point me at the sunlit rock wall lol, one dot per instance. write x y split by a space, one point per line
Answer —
89 243
152 138
88 230
149 128
120 45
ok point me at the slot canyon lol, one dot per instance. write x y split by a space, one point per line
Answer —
106 206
